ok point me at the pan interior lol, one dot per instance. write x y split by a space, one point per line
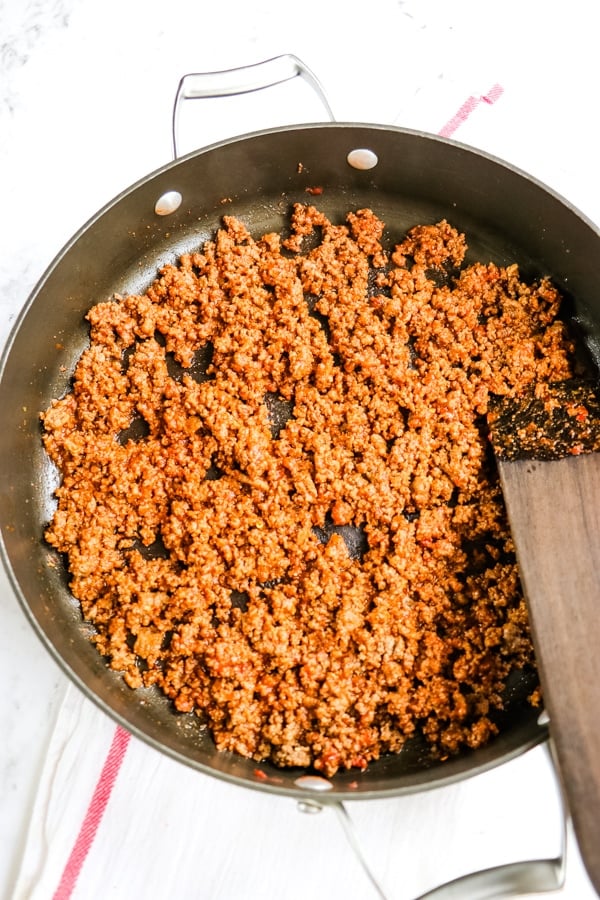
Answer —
506 216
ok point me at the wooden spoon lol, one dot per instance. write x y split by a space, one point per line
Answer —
550 475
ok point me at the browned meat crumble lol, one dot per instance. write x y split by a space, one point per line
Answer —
209 546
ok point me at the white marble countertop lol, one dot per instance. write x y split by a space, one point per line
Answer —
86 90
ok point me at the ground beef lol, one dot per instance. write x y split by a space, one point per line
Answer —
278 503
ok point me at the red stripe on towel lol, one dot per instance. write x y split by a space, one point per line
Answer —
468 107
93 816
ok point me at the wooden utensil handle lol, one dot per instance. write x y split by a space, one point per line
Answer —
554 512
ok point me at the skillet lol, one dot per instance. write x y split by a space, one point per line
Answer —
507 216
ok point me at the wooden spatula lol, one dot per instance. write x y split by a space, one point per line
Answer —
546 450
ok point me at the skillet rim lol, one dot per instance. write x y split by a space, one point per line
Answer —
450 771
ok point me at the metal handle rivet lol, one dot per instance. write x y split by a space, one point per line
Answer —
313 783
167 203
362 158
306 806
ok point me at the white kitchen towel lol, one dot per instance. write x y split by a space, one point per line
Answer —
114 818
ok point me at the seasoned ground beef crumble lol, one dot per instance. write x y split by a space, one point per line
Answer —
323 587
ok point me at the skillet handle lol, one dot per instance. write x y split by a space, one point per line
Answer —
243 80
537 876
513 880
